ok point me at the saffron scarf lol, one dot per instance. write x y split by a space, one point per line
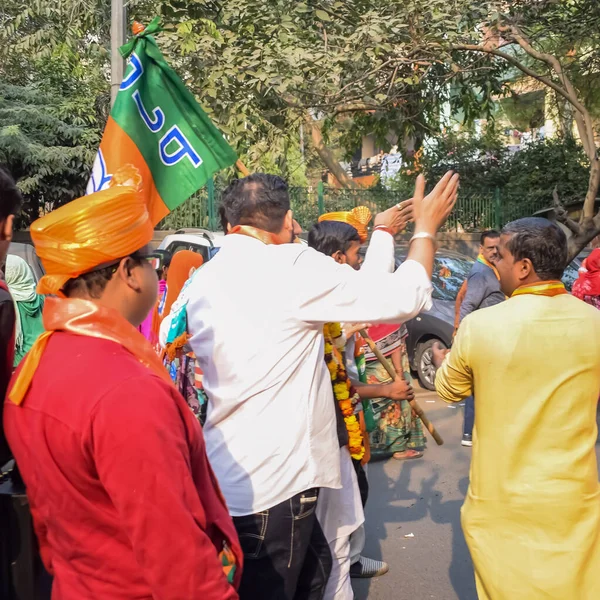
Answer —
545 288
487 263
83 317
258 234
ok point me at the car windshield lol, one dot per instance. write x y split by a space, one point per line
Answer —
449 272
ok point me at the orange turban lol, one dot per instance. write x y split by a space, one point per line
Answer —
89 232
358 217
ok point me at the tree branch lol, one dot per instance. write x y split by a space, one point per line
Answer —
583 119
523 68
326 155
561 214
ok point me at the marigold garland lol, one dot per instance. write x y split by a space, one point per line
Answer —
343 390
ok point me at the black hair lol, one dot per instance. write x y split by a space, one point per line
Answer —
223 218
544 243
10 196
490 233
258 200
94 283
330 237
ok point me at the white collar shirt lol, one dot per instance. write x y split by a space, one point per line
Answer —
255 313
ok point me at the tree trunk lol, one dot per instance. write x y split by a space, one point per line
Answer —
579 241
326 155
589 225
589 205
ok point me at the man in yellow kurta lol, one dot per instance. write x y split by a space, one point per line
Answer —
532 514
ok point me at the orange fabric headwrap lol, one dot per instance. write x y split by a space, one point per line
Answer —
358 217
89 232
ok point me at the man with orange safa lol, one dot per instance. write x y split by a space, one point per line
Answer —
124 502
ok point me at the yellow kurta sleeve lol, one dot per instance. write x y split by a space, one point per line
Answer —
454 379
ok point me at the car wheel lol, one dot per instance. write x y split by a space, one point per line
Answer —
425 366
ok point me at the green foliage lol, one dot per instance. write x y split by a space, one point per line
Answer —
533 173
260 69
47 154
524 180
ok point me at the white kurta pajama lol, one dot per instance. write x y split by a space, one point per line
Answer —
340 514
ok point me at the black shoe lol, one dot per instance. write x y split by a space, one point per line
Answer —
467 440
365 568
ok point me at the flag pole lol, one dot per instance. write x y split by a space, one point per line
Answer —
241 167
117 39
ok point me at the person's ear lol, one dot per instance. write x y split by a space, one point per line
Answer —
6 230
339 257
129 274
288 222
525 269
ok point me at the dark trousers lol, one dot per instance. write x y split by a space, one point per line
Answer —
286 555
363 482
22 575
469 415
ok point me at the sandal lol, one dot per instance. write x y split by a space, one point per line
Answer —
407 455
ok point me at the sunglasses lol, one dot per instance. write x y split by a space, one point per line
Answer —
154 260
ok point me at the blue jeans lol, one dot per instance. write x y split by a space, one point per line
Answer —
469 415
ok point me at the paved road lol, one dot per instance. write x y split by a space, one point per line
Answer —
423 498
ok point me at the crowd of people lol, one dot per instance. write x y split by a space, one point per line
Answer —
209 434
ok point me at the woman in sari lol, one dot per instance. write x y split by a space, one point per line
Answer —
28 305
178 357
397 432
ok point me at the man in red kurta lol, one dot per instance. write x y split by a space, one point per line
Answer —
124 502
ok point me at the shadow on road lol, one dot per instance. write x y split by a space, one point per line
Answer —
426 503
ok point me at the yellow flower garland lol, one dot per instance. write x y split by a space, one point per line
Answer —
344 392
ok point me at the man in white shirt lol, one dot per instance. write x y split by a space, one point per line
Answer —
255 313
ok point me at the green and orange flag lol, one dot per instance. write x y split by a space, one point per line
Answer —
157 126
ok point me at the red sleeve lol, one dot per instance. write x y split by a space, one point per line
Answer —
140 448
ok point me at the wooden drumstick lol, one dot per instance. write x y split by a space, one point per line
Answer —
413 403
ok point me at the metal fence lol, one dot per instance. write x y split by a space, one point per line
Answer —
474 211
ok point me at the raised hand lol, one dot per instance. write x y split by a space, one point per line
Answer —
431 211
397 217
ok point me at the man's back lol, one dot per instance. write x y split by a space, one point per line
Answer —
536 373
483 290
270 418
532 514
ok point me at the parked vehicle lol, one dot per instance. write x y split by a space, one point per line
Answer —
450 269
206 243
